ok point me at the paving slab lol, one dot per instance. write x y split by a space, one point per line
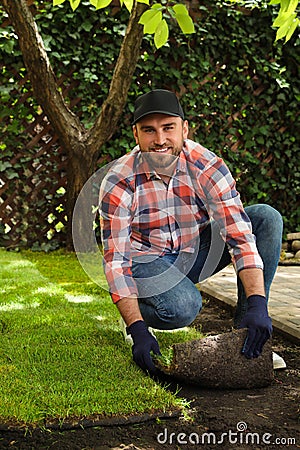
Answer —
284 301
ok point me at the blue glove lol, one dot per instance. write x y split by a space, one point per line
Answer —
259 326
143 344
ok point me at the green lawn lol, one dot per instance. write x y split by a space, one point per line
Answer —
61 351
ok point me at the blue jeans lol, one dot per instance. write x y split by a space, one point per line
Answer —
168 297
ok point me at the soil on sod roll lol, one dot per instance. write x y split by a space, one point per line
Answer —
217 362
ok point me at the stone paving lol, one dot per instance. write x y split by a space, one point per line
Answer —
284 301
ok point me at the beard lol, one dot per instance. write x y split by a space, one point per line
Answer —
163 163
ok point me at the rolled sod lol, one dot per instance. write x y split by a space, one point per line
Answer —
217 362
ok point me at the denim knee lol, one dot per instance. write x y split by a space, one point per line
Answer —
182 312
272 216
169 311
268 217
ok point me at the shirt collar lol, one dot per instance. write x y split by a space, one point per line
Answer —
182 162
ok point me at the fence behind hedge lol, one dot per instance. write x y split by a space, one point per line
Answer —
33 177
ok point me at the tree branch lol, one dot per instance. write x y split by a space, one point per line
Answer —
113 106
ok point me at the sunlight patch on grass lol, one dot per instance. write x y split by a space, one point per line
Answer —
80 298
50 289
11 306
100 318
18 264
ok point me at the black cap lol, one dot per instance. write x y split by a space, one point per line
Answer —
157 101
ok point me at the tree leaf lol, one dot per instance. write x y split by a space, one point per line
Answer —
144 1
292 6
128 4
99 4
151 19
280 19
186 23
292 29
146 16
58 2
74 4
152 25
157 6
283 30
161 35
284 4
180 9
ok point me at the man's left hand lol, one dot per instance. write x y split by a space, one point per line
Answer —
259 326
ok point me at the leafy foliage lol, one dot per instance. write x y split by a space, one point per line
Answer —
287 20
152 19
239 90
154 23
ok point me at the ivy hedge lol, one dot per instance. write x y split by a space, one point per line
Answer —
240 90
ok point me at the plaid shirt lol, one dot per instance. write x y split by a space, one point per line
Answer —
140 214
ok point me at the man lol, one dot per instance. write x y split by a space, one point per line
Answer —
167 210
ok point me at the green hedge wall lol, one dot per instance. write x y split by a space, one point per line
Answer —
239 90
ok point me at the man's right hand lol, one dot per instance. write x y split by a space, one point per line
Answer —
143 344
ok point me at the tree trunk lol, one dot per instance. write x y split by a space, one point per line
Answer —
79 168
217 362
82 146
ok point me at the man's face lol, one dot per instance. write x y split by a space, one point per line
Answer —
161 134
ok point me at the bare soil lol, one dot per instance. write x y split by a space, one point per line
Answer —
265 418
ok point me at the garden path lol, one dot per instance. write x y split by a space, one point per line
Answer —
284 301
